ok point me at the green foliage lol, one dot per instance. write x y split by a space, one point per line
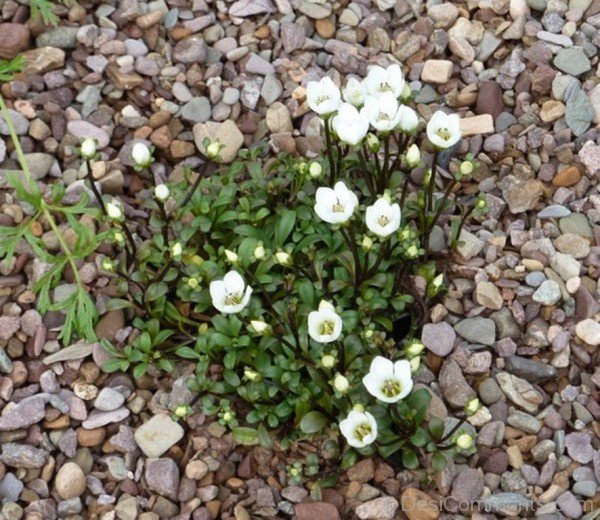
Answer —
78 306
8 68
43 9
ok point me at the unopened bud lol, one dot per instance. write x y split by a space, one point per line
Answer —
341 384
413 156
328 361
232 257
315 170
464 441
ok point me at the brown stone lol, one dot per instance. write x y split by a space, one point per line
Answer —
14 39
58 424
567 177
180 149
316 511
262 32
489 99
122 80
160 118
417 505
325 28
161 137
91 438
551 111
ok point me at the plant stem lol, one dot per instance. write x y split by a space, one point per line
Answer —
207 168
354 250
429 200
453 430
329 151
404 190
383 180
94 188
366 173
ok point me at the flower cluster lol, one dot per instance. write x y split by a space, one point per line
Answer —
376 103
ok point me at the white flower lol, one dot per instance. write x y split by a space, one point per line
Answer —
340 383
324 325
383 218
354 92
388 381
323 96
113 210
259 251
230 295
350 125
464 441
335 205
384 5
382 111
88 148
407 119
380 80
359 428
413 155
161 192
328 361
141 154
213 150
443 130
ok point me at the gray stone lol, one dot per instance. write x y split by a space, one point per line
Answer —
61 37
380 508
579 447
569 505
579 112
506 503
39 164
548 293
243 8
162 476
22 456
157 435
109 399
29 411
10 488
96 418
532 371
438 338
573 61
524 422
554 211
83 130
455 388
190 51
519 391
477 330
197 110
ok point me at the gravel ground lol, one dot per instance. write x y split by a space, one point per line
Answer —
519 327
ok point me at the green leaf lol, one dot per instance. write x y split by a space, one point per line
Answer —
409 459
187 353
284 227
438 461
313 422
246 436
436 428
420 438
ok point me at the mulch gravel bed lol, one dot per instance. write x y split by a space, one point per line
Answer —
519 327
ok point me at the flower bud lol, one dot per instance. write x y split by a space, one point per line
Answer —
213 150
472 406
88 148
259 251
140 153
232 257
340 383
315 170
228 416
367 243
464 441
373 142
415 364
328 361
203 328
260 327
358 408
413 156
283 258
161 192
182 410
107 265
438 281
193 283
466 168
406 92
176 250
113 210
412 251
119 238
368 334
251 375
415 348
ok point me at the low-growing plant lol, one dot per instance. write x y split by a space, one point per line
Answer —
287 281
298 287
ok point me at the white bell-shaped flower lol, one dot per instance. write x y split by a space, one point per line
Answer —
443 130
388 381
380 80
350 125
383 218
141 154
230 295
324 325
335 205
88 148
408 121
359 428
382 111
323 96
354 92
